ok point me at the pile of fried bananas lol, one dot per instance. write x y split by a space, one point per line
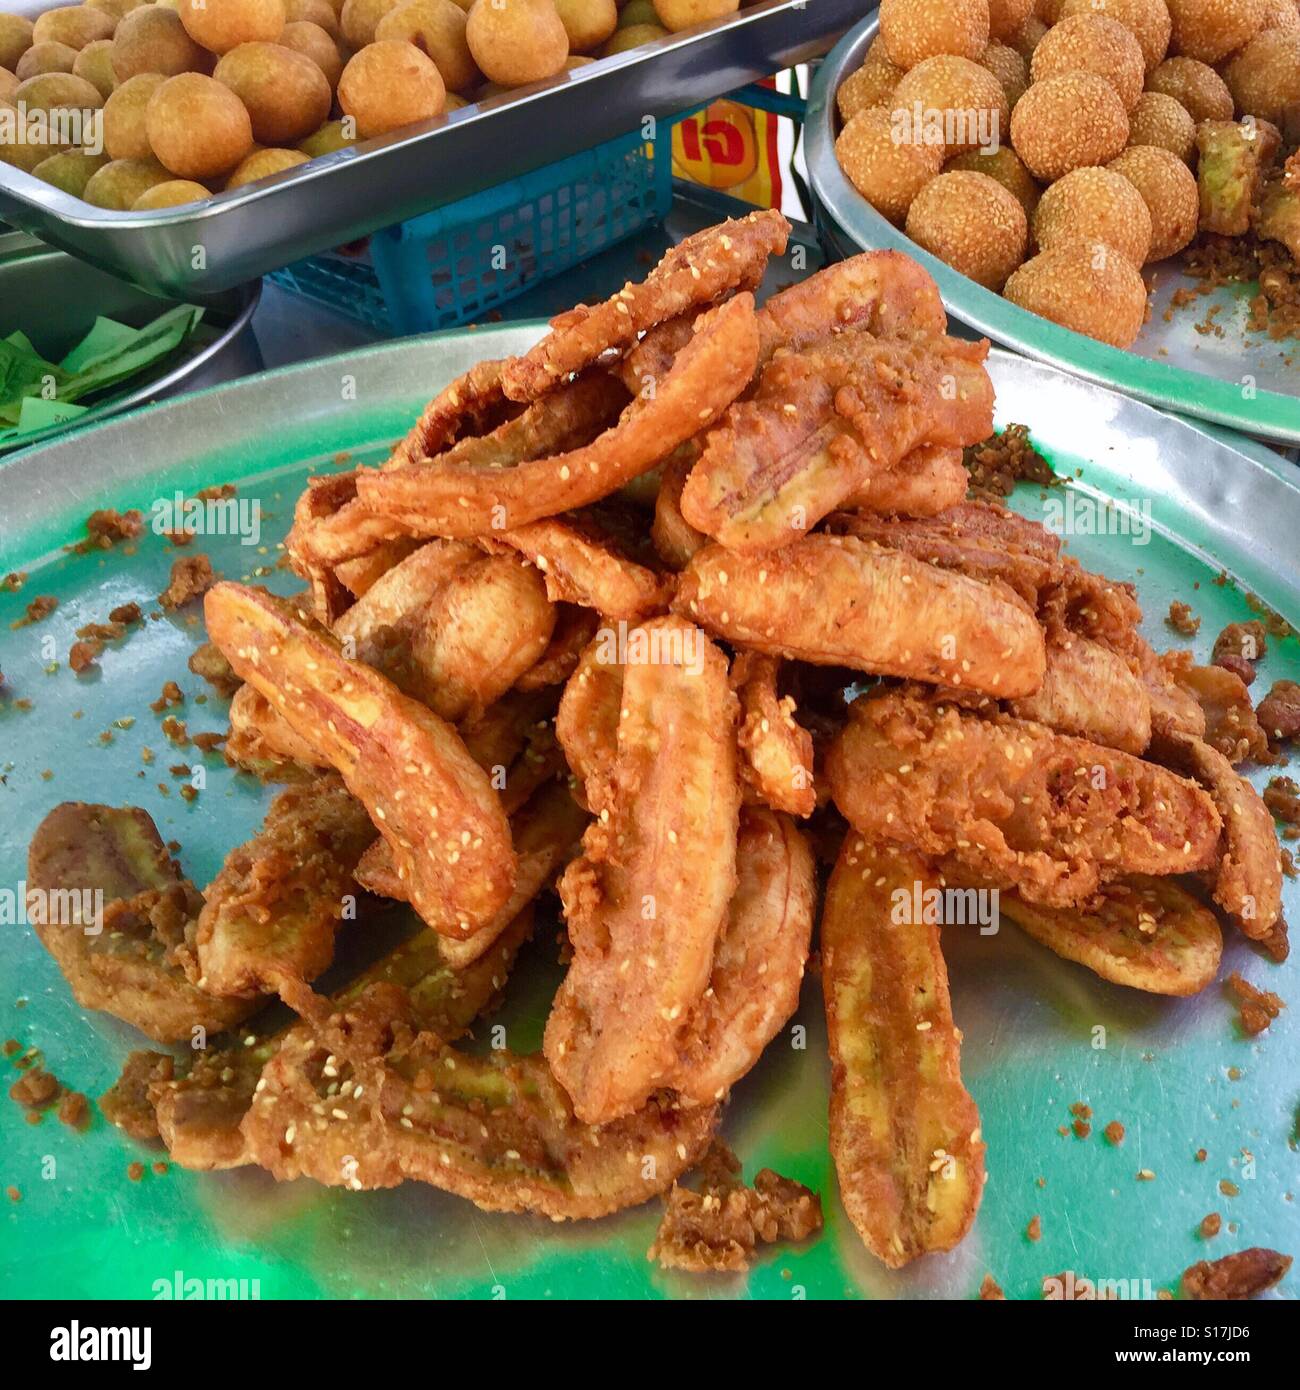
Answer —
688 606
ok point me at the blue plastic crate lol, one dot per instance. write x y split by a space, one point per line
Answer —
455 264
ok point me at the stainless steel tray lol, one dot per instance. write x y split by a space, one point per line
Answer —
1246 381
353 192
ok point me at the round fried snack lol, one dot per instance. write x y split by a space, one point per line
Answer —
1168 188
437 29
358 20
261 164
588 23
125 136
972 223
330 137
1147 20
389 85
1281 14
45 57
1195 86
15 39
197 127
1007 16
71 170
1068 122
633 37
1095 205
1028 37
518 41
75 25
220 25
95 64
120 183
57 91
286 94
914 30
676 15
872 85
1159 120
969 98
23 154
117 8
887 174
1264 78
1092 289
172 194
1011 70
1211 29
153 39
1004 165
318 12
1092 43
312 41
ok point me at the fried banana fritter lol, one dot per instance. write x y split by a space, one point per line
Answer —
1090 691
926 482
905 1132
776 751
675 539
263 743
427 797
587 721
838 601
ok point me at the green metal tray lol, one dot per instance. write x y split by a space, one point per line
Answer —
83 1229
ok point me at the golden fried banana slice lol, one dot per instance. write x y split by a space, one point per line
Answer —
473 405
758 961
587 721
574 629
1146 933
822 423
1247 875
1231 726
426 795
436 499
704 267
385 615
262 742
116 916
905 1132
271 912
649 895
1090 691
776 753
925 482
199 1115
838 601
359 575
1012 802
675 539
496 1130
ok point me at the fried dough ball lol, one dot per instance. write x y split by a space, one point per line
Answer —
518 41
1195 86
69 170
358 20
1011 70
636 12
1048 11
971 223
261 164
1068 122
872 85
633 37
388 85
887 173
286 94
313 42
1264 78
95 64
24 154
1006 167
1211 29
1089 288
330 137
45 57
172 194
55 91
1094 205
15 39
153 39
75 25
125 136
119 9
1147 20
1281 14
120 183
1168 188
220 25
969 98
9 85
1160 120
319 12
1028 37
676 15
1092 43
437 28
588 23
1006 16
197 127
914 30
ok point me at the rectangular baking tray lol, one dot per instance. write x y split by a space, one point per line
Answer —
1175 1072
208 247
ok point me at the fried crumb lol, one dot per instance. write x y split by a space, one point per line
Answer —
161 1168
1005 459
991 1290
1279 712
191 576
125 613
106 527
1035 1229
1243 1275
14 580
175 731
1211 1225
13 1194
135 1170
171 695
1257 1007
208 740
1228 1188
1114 1131
82 656
36 1089
1282 797
210 664
38 609
1146 1175
74 1110
1182 619
1238 647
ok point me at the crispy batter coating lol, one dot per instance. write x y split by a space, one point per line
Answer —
575 626
1022 807
776 753
925 482
649 895
904 1130
1090 691
263 743
1174 709
839 601
471 407
470 500
823 421
587 721
1232 160
711 263
1146 933
443 821
133 966
675 539
359 574
1231 725
126 1103
1244 1274
386 614
272 910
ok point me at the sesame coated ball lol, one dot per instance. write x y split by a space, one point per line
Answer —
872 85
966 97
1092 43
1147 20
1160 120
1004 165
1028 37
1006 16
1090 288
970 222
1094 205
914 30
1281 14
1068 122
888 173
1168 187
1011 70
1264 78
1195 86
1211 29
